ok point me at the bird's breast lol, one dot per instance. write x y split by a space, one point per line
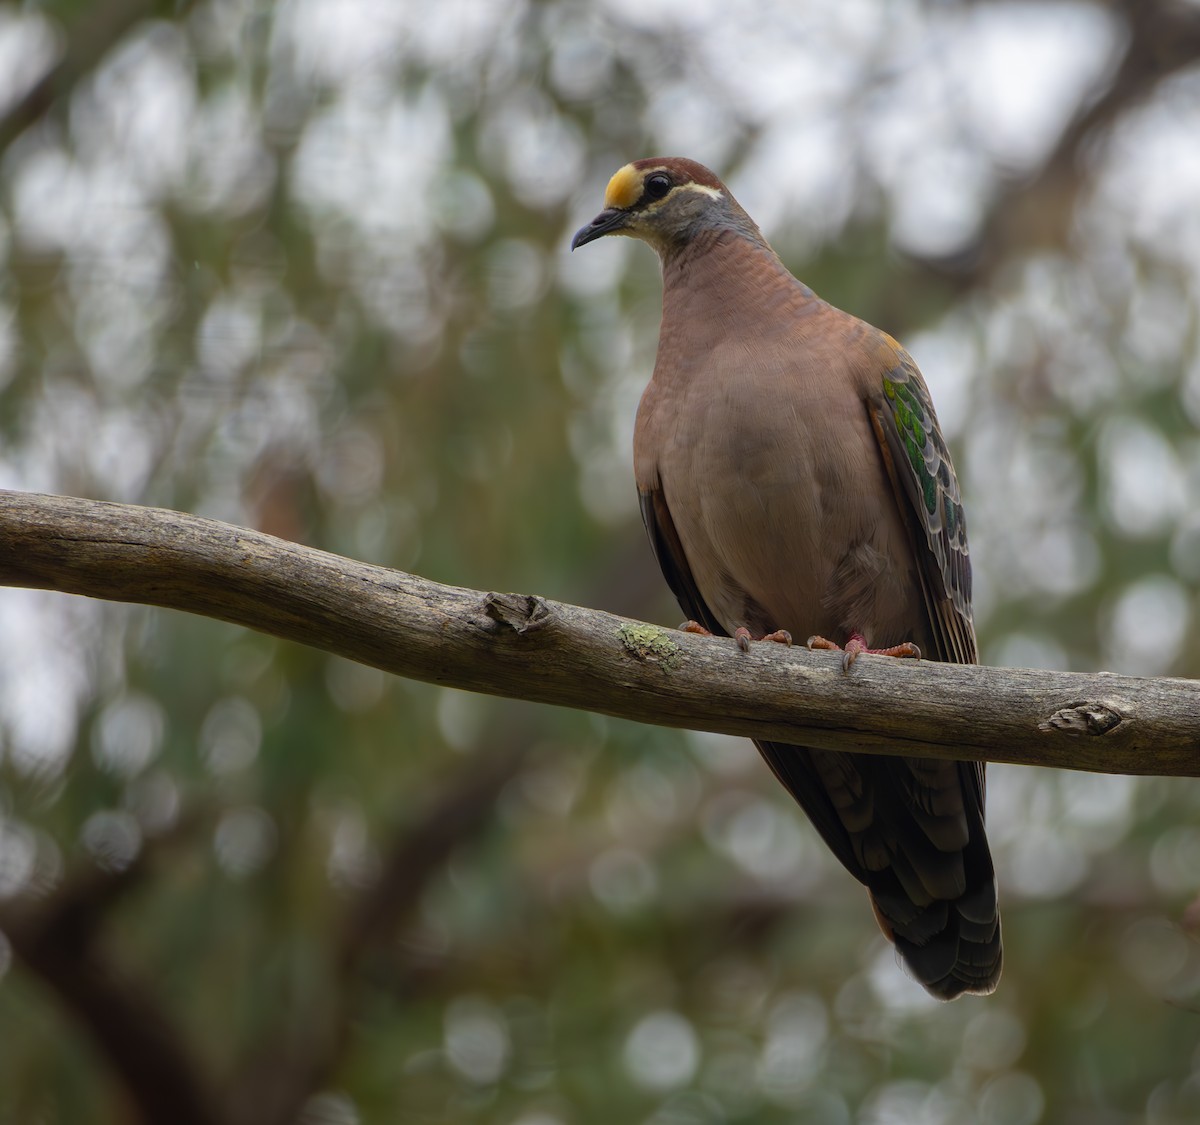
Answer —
779 497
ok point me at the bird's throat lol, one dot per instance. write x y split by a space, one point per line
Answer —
721 281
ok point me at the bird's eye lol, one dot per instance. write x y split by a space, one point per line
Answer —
658 185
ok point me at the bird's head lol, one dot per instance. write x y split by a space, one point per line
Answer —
665 201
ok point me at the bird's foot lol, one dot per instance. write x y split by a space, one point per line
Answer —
857 645
742 635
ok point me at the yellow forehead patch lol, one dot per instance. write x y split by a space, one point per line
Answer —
624 189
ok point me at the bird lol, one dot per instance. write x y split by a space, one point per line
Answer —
793 480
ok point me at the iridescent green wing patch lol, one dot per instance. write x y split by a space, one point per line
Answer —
922 462
911 418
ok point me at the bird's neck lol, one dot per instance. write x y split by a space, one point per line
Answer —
722 283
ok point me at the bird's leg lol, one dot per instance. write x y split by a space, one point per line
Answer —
741 634
857 645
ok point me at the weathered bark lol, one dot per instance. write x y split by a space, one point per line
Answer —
531 648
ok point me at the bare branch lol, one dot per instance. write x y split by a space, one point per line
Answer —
1036 212
59 940
96 32
298 1055
530 648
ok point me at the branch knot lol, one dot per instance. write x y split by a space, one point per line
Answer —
522 613
1083 717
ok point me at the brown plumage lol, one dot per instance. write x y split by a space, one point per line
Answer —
792 476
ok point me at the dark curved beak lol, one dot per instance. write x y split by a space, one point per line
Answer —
607 222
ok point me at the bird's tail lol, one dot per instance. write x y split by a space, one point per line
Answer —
951 946
912 832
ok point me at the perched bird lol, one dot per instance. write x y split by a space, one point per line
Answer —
793 479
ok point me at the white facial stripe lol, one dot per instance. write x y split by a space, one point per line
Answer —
713 192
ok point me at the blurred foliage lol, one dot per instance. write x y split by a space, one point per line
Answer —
303 266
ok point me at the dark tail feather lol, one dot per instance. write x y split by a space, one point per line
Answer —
936 902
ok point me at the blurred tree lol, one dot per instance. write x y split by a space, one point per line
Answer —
303 266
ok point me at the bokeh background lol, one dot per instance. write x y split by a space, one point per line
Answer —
303 266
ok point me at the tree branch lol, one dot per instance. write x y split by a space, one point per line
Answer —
58 940
530 648
95 34
1036 212
299 1055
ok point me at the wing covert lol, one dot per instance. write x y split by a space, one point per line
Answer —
923 478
